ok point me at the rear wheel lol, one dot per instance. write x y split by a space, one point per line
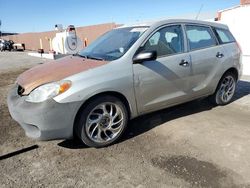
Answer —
102 121
225 90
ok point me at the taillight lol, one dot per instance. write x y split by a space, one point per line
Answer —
238 44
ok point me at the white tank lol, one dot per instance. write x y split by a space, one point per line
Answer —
67 42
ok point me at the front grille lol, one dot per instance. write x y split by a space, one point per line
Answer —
20 90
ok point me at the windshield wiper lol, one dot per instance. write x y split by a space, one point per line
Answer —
89 57
84 56
95 58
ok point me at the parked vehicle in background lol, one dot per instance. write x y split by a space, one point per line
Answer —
127 72
19 46
6 45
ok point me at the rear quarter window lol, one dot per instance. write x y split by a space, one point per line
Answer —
224 36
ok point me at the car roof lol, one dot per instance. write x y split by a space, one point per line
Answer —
173 21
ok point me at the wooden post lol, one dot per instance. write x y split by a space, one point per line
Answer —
85 42
41 44
63 45
50 44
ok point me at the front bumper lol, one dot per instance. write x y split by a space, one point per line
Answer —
43 121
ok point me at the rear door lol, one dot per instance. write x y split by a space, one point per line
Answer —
228 42
206 56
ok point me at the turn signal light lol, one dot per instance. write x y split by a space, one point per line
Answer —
64 87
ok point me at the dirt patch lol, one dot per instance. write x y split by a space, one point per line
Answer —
8 78
187 137
196 172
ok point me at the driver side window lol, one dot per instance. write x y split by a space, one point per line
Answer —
166 41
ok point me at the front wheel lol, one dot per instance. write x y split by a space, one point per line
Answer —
225 90
102 121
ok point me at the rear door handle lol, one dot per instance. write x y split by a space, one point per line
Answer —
184 63
219 55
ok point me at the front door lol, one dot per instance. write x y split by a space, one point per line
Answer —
164 81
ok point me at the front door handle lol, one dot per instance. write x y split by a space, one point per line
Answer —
184 63
219 55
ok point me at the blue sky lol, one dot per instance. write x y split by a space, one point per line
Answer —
34 15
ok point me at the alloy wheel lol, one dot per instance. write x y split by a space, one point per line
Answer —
104 122
227 88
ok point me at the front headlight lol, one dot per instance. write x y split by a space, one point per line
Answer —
48 91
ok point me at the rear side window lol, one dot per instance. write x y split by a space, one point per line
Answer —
224 36
199 37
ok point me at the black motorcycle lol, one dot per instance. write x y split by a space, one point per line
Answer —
6 45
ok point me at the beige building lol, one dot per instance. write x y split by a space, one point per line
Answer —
237 19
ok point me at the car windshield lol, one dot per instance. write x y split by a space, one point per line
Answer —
113 44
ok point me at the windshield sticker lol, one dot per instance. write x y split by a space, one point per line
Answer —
121 49
138 29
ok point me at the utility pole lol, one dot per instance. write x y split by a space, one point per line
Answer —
0 29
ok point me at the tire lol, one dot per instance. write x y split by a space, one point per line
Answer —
101 122
225 90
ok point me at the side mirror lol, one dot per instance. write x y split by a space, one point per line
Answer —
145 56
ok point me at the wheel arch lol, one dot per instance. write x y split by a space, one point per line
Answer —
232 70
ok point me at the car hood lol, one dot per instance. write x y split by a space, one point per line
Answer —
55 71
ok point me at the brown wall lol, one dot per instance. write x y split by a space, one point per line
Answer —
32 40
244 2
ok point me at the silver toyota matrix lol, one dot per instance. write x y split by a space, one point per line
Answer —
128 71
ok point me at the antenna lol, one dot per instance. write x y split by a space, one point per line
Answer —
198 14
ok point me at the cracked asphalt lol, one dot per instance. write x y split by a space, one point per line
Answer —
190 145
